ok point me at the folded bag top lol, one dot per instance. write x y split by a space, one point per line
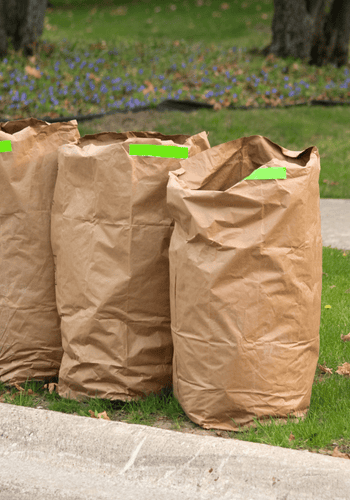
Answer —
245 282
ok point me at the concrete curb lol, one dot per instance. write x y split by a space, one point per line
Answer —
44 454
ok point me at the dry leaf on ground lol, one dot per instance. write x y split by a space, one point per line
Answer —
339 454
32 72
94 77
345 337
324 369
102 415
51 387
344 369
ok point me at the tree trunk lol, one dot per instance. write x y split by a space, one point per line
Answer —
331 38
23 22
316 31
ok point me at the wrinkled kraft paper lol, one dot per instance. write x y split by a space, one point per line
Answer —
245 283
30 339
110 237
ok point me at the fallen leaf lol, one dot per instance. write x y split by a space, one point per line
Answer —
120 11
326 181
345 338
102 415
291 437
51 387
339 454
324 369
210 470
94 77
150 87
32 72
333 286
344 369
328 307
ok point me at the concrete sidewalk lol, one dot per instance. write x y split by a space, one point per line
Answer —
47 455
335 222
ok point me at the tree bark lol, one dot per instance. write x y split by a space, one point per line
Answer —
331 38
316 31
22 21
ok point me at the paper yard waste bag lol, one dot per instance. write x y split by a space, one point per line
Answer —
110 237
30 339
245 282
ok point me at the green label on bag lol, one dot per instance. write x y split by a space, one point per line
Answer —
5 146
268 173
160 151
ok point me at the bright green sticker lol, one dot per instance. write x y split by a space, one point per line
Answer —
268 173
5 146
160 151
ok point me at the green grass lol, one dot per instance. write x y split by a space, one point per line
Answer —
192 20
327 423
122 49
152 40
295 129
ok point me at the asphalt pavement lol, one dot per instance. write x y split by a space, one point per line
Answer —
49 455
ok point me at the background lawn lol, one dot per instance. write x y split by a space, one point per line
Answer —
121 56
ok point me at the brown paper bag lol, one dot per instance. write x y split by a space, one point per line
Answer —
30 339
110 237
245 282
